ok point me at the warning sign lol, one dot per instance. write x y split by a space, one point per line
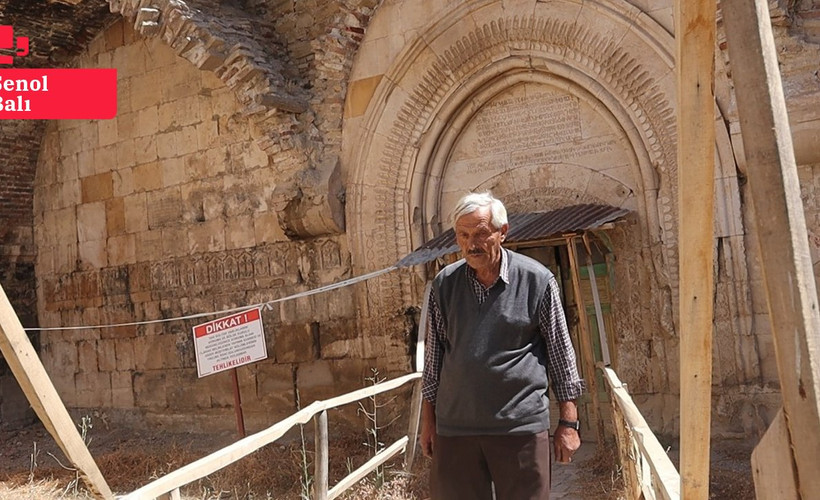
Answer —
229 342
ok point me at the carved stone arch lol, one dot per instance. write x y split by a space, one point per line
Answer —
606 50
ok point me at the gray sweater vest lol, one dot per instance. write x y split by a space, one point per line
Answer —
493 376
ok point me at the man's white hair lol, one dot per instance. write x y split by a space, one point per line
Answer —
471 202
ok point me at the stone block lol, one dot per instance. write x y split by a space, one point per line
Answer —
113 36
167 145
164 208
91 222
267 229
324 379
106 355
208 236
186 139
207 132
124 354
239 233
115 216
87 356
85 164
359 95
126 125
150 390
145 149
274 386
67 169
147 177
93 390
144 93
173 172
107 132
299 310
294 343
135 213
183 391
98 187
174 242
68 194
126 155
147 122
148 352
105 159
123 181
122 390
93 254
122 250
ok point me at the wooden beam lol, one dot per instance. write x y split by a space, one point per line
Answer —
588 356
695 35
36 384
781 228
322 459
773 465
369 466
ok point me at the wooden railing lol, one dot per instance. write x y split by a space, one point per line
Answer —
647 469
169 485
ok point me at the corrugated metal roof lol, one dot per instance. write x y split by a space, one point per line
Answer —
526 227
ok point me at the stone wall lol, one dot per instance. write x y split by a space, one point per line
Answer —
167 211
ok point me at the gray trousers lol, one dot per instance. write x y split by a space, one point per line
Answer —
467 467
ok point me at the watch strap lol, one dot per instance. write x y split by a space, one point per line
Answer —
572 424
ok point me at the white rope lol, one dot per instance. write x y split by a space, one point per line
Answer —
321 289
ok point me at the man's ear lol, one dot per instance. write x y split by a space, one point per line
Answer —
504 230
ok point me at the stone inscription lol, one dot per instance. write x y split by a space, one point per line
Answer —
560 153
523 122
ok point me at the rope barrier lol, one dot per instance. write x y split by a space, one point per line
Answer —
307 293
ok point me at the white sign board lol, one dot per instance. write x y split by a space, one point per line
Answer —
229 342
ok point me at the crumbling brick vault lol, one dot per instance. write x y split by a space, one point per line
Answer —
263 148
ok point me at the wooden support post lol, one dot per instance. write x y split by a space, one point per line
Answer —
320 473
695 33
588 357
36 384
781 230
773 464
413 431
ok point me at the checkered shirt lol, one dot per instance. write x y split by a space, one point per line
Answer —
561 369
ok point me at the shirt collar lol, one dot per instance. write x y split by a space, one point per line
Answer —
504 272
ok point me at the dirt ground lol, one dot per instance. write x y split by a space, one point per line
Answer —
32 467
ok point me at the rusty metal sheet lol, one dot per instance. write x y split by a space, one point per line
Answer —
526 227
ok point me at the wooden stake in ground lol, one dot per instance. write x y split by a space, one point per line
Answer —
782 239
695 33
37 386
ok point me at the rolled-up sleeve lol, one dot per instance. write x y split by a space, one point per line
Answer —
566 384
433 350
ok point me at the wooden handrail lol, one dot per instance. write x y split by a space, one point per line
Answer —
232 453
663 470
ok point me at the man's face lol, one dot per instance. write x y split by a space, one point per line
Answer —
479 241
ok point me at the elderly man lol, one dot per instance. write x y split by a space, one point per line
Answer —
497 337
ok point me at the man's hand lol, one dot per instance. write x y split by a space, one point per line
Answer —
565 441
428 428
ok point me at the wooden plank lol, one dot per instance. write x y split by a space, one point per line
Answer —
781 229
413 431
668 479
588 357
695 34
36 385
230 454
596 301
320 474
422 336
773 466
360 473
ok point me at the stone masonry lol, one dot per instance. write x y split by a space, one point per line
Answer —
266 147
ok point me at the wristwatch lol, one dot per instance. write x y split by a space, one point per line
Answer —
572 424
